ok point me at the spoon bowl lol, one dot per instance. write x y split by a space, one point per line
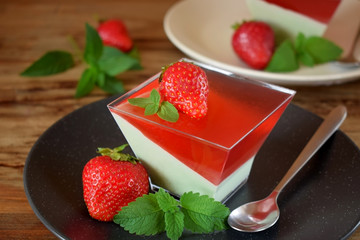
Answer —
260 215
255 216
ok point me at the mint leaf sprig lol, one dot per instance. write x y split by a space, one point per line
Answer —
306 50
156 213
154 105
103 64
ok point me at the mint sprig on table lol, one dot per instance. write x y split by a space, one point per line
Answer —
306 50
103 64
154 105
156 213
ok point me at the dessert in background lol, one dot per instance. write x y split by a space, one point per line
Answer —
288 18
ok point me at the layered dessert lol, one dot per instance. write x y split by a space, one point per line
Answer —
212 155
288 18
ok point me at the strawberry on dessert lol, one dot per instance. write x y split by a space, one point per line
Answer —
254 43
185 85
111 181
213 154
113 32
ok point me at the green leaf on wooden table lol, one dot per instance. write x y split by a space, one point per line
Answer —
112 85
86 83
50 63
101 79
134 53
93 47
113 61
104 63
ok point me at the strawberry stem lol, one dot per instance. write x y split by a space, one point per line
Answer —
117 155
77 51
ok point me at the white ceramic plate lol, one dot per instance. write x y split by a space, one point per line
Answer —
202 30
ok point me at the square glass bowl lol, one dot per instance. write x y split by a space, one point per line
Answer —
212 155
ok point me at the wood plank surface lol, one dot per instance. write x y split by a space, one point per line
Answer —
28 106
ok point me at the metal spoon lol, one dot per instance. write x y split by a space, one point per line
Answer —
260 215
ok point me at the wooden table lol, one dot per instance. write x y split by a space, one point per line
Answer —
28 106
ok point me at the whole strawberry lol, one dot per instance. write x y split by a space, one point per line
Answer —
254 43
111 181
185 85
113 33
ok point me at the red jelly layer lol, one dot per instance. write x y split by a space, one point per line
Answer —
240 117
320 10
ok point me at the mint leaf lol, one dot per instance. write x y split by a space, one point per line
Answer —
168 112
152 105
283 59
104 63
155 97
52 62
306 59
143 216
155 213
174 219
203 214
166 201
101 79
112 85
140 102
151 109
299 42
174 224
113 61
86 83
134 53
322 50
93 47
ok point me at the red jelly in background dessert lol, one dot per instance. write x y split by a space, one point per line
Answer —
320 10
289 18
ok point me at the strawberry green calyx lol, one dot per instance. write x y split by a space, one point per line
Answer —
236 25
116 154
163 69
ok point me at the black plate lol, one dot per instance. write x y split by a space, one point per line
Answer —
322 202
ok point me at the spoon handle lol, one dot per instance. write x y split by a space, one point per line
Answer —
330 124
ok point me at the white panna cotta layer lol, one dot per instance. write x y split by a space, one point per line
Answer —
171 174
